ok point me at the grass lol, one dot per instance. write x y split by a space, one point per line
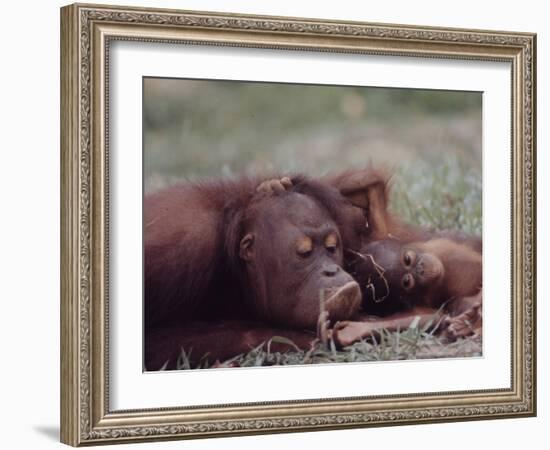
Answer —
439 195
412 343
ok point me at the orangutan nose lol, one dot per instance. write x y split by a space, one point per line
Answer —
420 268
330 270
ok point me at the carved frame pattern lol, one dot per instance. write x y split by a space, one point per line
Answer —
86 33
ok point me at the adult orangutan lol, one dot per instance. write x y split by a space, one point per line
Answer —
236 261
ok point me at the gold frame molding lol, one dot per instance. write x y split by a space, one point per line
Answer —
86 31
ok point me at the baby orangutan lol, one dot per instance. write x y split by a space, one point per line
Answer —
426 273
437 280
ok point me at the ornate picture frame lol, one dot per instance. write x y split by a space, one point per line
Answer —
87 32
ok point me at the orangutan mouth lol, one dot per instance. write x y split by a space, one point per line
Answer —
342 302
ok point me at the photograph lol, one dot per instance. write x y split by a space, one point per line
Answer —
293 224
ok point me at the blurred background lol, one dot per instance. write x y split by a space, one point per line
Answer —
197 129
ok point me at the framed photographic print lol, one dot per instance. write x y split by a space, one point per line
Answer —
274 224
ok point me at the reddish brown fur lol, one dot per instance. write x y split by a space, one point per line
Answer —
218 340
463 271
456 288
192 266
461 254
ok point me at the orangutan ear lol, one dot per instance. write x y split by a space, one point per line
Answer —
246 247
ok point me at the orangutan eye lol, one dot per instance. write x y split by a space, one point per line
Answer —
331 242
407 281
304 247
408 258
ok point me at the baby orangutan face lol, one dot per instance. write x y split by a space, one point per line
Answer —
395 276
418 269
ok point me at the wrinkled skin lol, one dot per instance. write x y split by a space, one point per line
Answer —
288 279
